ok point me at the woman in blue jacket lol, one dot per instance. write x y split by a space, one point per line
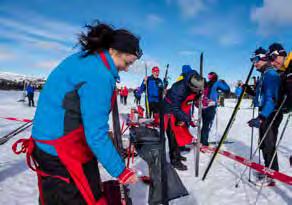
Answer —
212 88
70 130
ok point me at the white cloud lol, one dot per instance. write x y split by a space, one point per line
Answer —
226 32
191 8
187 53
6 55
47 65
153 20
272 15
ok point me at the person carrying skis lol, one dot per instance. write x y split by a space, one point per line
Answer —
269 87
30 94
70 129
210 98
177 114
155 88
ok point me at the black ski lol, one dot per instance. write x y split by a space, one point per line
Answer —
117 139
230 122
15 132
198 145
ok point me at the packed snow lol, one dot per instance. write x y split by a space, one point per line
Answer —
18 184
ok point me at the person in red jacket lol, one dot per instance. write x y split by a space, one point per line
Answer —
125 93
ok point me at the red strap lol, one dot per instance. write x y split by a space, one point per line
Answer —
106 63
27 146
104 60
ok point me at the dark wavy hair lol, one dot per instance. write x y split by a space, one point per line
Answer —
100 36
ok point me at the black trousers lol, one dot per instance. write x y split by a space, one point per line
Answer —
208 116
30 99
174 152
154 107
58 192
269 144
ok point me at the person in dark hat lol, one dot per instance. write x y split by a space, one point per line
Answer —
269 87
70 128
177 106
210 99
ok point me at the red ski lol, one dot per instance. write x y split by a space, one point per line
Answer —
258 167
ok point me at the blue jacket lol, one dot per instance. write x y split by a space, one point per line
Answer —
87 81
268 91
217 86
238 91
29 89
155 89
175 96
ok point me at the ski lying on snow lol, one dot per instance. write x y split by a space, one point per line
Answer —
16 119
258 167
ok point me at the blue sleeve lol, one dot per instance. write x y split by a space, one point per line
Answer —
222 85
95 101
271 89
142 88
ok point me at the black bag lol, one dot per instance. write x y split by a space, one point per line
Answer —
143 135
112 193
150 149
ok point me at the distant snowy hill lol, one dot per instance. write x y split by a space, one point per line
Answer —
19 77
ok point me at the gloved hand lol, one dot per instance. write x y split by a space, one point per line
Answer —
256 122
248 89
128 176
179 123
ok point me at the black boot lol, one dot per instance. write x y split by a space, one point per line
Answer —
182 158
177 164
184 149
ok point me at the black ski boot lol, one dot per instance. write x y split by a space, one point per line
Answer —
182 158
177 164
184 149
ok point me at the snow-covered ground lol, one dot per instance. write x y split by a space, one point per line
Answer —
18 184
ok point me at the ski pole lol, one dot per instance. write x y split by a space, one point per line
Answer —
5 138
251 143
263 138
146 94
274 155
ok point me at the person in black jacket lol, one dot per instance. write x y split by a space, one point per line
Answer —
177 113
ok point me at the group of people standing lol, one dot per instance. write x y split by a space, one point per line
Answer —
178 106
124 92
70 133
274 86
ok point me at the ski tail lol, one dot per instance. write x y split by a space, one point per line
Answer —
230 122
197 157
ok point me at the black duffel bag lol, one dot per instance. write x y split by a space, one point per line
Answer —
148 146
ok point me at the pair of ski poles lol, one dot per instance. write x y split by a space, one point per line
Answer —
15 132
263 138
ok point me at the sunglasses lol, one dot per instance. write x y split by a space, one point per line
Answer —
255 59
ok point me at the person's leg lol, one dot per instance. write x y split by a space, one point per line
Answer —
32 100
269 143
174 153
208 115
58 192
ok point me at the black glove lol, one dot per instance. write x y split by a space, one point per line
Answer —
256 122
248 89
